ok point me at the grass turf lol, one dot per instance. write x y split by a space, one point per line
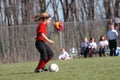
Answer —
105 68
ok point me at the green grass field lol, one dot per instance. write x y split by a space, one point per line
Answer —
106 68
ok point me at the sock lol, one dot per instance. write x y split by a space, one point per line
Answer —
47 61
41 64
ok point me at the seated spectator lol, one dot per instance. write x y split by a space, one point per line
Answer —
84 47
92 47
111 22
63 55
103 44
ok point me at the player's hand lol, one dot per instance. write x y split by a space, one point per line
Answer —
35 37
51 42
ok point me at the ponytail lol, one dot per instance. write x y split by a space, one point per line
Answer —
42 16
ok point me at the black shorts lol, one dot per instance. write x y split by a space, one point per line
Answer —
44 50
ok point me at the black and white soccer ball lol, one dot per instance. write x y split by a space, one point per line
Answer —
53 67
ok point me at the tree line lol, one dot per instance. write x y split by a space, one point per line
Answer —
21 12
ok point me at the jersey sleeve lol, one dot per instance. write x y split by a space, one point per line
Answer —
41 28
116 33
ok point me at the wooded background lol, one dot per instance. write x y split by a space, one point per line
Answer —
21 12
80 18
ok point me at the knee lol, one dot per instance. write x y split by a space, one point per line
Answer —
44 58
51 56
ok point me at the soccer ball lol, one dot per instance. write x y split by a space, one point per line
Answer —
53 67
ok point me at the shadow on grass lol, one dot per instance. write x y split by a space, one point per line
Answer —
22 73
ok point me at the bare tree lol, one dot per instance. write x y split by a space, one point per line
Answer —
117 8
7 12
91 10
108 9
68 8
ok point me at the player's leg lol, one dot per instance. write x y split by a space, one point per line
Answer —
43 56
111 47
115 47
49 52
100 52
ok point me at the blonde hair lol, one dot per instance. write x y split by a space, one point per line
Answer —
41 16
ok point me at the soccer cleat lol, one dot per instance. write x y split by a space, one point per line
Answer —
44 69
37 71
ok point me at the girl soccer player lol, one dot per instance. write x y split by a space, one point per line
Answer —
46 53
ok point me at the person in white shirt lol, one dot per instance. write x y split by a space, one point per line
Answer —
63 55
112 36
103 44
84 47
92 47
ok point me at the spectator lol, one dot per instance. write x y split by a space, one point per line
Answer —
103 43
84 47
111 22
63 55
116 21
112 36
92 47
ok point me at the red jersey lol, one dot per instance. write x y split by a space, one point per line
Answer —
41 29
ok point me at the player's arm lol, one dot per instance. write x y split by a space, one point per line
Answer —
116 34
48 40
